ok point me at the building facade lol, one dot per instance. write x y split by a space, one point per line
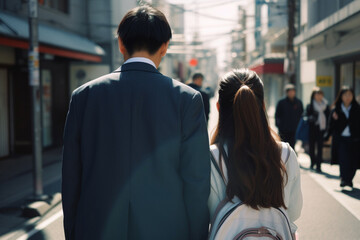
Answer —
77 43
329 49
264 30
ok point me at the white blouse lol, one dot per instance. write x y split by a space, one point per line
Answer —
292 191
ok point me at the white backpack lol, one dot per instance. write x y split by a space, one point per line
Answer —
235 220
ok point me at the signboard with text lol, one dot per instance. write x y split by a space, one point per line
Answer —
324 81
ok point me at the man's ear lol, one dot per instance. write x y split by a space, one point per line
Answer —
163 48
122 48
218 106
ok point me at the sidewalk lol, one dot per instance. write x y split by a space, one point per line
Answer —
329 180
16 185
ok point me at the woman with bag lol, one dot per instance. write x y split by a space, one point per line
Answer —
255 170
317 113
344 126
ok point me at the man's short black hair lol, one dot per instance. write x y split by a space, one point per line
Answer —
197 75
144 28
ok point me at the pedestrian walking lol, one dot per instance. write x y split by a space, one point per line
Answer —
197 82
344 126
136 153
317 113
287 115
250 156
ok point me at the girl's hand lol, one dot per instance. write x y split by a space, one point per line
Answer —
335 116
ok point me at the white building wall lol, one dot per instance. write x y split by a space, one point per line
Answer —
327 68
331 47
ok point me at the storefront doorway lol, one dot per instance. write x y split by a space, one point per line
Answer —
349 75
4 114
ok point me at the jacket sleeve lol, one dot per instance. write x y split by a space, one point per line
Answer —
293 193
71 170
206 105
195 167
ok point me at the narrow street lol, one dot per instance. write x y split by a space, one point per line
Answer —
328 213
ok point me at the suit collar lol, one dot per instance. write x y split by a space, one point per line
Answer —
137 66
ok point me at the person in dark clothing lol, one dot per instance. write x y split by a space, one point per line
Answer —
287 115
344 126
197 81
317 113
136 149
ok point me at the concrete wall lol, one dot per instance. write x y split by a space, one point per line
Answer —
328 48
310 70
327 68
320 9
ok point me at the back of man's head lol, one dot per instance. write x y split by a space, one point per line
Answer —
197 76
144 28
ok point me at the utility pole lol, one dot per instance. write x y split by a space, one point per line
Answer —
290 54
34 81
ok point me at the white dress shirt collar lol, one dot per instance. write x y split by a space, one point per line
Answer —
140 59
346 132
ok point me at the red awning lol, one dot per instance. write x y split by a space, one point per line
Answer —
269 68
18 43
14 32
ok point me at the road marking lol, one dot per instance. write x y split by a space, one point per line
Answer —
42 225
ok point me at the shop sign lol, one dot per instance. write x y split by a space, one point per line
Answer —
324 81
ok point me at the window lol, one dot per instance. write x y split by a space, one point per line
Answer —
60 5
346 74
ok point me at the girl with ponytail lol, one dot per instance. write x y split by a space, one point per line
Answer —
252 160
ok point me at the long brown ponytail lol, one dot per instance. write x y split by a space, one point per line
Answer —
256 173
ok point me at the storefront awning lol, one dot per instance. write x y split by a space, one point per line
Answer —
14 32
271 64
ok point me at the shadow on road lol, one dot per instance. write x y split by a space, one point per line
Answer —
327 175
355 193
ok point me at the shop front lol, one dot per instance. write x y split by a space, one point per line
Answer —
348 72
59 50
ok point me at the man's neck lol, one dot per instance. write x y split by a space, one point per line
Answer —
145 54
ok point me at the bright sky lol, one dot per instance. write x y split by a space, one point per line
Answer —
213 30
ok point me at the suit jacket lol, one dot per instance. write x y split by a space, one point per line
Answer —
205 98
288 114
136 159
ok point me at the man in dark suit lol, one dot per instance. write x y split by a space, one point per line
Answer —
287 115
136 155
197 81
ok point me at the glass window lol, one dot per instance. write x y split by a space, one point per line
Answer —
346 74
60 5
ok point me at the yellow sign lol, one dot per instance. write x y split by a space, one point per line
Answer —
324 81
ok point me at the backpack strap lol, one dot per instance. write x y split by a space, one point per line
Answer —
223 153
218 208
216 165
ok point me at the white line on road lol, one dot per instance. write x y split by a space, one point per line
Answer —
42 225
